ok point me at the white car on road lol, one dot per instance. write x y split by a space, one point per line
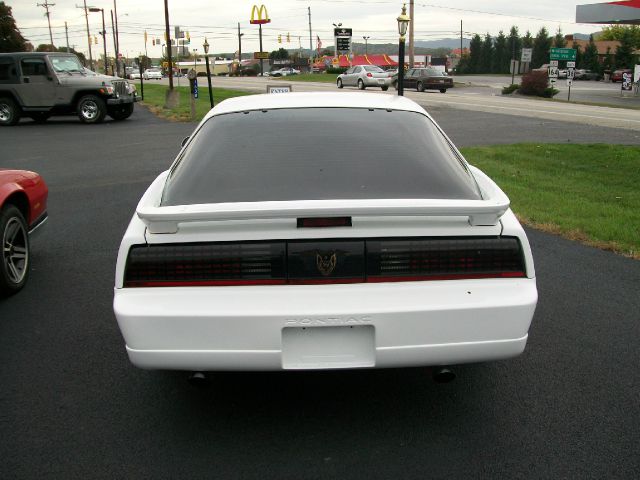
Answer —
363 76
152 74
284 72
251 254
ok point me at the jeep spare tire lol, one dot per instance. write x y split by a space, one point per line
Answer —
91 109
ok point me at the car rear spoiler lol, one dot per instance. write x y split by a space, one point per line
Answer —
483 212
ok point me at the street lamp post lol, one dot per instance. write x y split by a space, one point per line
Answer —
195 57
205 45
104 36
403 23
366 45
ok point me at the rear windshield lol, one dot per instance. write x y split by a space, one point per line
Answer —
373 68
317 154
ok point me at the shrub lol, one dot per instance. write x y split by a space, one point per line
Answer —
534 83
550 92
510 89
337 71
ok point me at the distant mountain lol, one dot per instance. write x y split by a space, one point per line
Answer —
443 43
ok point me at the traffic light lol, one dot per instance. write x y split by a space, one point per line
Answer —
279 38
288 38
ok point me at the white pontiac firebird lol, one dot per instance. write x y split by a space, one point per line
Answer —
309 231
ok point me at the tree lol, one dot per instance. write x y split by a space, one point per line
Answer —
502 54
514 43
280 54
11 40
624 52
617 32
46 47
590 57
559 40
527 40
475 54
541 47
486 56
579 55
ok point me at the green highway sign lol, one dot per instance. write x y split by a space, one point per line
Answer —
563 54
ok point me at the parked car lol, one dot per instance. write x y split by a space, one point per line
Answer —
562 73
617 74
152 74
134 75
284 72
23 208
363 76
41 84
395 252
582 74
425 79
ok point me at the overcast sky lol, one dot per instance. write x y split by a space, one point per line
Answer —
218 20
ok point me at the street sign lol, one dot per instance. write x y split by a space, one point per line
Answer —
342 32
569 81
626 81
261 55
571 73
563 54
571 64
553 63
527 54
553 72
165 64
279 89
343 44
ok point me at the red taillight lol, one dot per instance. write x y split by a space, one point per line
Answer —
324 261
369 75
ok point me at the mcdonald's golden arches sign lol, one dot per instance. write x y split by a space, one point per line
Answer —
261 14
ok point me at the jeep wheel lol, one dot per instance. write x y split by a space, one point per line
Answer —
39 117
14 264
91 109
9 112
121 112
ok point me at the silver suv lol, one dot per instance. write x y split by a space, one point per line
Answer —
39 85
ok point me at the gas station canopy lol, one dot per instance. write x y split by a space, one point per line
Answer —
623 12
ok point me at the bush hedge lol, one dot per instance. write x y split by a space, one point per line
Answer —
337 71
536 83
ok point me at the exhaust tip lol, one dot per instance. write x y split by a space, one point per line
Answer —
197 379
443 375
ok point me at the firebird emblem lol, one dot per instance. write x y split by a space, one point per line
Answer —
326 263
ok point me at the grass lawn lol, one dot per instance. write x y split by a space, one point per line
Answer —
154 98
310 77
588 193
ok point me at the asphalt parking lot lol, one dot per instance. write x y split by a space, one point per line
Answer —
71 405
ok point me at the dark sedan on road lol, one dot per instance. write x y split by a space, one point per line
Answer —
425 79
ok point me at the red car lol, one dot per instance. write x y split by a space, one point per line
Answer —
23 208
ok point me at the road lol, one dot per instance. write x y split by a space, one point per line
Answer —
71 405
477 99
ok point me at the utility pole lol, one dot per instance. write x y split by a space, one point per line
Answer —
104 36
66 34
366 45
46 6
239 48
460 39
413 21
115 15
115 45
168 34
86 17
310 44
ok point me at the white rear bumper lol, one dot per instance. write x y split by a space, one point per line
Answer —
274 327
